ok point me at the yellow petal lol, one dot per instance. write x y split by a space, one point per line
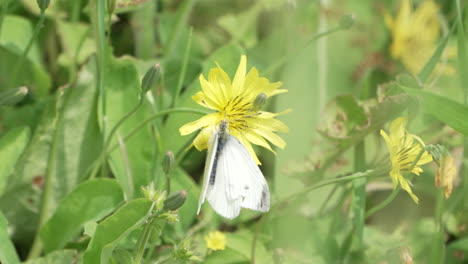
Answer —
405 186
272 137
211 93
219 79
201 140
247 145
256 139
208 120
239 78
204 101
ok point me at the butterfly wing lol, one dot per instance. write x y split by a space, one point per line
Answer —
245 182
212 146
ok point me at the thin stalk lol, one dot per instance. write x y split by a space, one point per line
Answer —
142 124
111 135
46 199
99 25
358 175
145 237
183 70
20 62
181 22
359 196
75 11
383 204
438 248
74 67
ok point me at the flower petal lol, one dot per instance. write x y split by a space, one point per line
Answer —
208 120
239 78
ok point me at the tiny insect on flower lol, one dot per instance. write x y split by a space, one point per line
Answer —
406 154
216 240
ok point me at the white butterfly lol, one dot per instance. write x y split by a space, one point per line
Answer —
232 179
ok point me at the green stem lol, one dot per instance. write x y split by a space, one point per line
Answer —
357 175
142 124
383 204
45 209
181 22
20 62
144 241
359 199
183 70
74 67
75 11
99 25
438 241
111 135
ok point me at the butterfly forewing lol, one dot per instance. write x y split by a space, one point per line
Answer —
212 146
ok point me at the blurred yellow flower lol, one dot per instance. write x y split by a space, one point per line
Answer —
403 152
446 174
414 33
216 240
234 102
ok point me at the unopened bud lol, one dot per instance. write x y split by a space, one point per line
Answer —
347 21
43 4
168 162
259 101
150 78
175 200
13 96
111 6
437 151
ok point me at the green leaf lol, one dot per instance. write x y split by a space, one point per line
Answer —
443 109
7 249
16 33
71 35
56 257
182 181
12 145
90 201
242 243
462 52
432 63
110 231
122 93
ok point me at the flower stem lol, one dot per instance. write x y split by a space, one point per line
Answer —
359 193
20 62
383 204
142 124
144 241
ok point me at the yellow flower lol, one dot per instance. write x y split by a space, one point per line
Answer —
404 148
446 174
415 33
216 240
234 102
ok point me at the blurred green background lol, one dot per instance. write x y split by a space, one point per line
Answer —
71 188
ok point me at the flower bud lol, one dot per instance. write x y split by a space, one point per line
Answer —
259 101
111 6
168 162
13 96
150 78
175 200
43 4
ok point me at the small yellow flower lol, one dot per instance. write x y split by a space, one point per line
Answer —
415 33
404 148
446 174
233 101
216 240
